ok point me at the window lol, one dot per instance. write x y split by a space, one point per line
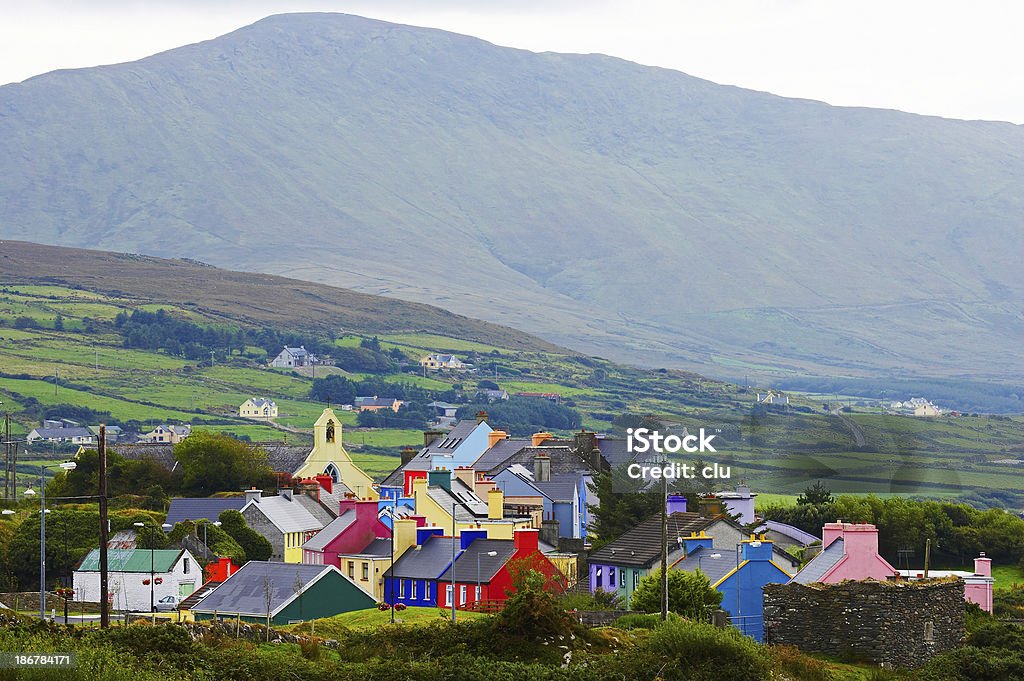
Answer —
185 566
351 570
448 598
462 594
611 576
366 572
413 594
600 575
477 595
401 588
636 579
622 578
426 591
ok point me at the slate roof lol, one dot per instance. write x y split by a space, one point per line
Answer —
714 568
426 562
67 433
794 533
319 541
316 509
641 546
287 516
563 460
498 454
296 352
186 508
260 402
284 458
445 499
198 595
820 564
615 451
375 401
163 454
560 487
245 592
131 560
377 547
445 444
465 563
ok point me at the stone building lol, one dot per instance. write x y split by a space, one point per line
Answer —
898 624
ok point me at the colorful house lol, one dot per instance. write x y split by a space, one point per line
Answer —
356 526
328 457
283 594
436 361
977 584
378 403
129 571
849 551
258 408
738 575
412 580
461 446
285 520
559 497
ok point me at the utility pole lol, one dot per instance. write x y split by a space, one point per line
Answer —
56 378
8 492
104 605
453 563
927 555
211 358
664 547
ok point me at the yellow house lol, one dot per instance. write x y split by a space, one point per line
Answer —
440 514
258 408
329 457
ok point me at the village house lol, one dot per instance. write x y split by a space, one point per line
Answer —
289 358
166 434
61 431
355 528
330 458
283 594
286 520
258 408
128 587
439 362
378 403
461 446
199 509
977 585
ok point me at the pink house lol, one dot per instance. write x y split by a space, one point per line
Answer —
977 584
356 526
849 551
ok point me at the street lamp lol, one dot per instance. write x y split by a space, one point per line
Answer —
713 556
206 546
489 553
65 466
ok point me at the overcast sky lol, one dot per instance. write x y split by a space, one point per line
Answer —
942 57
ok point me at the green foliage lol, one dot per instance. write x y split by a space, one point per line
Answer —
689 594
124 476
638 620
218 540
255 545
213 462
817 493
599 600
525 415
532 612
971 663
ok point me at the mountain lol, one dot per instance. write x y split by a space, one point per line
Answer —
244 298
632 212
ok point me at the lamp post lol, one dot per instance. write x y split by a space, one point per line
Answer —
66 466
489 553
206 546
152 566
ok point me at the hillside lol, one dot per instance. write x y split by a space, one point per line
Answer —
49 329
633 212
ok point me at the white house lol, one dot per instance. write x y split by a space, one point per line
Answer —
62 434
172 434
258 408
128 577
436 362
293 357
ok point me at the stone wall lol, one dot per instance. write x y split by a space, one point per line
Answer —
600 618
258 522
900 624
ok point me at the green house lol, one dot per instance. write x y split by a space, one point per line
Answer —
284 592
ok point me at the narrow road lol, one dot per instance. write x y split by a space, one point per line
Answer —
858 433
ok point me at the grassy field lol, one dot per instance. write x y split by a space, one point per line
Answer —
373 619
1007 576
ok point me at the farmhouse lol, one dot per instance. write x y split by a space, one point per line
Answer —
439 362
290 358
176 571
258 408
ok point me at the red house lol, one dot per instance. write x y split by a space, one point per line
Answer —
220 569
486 569
356 526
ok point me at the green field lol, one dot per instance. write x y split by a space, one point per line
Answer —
373 619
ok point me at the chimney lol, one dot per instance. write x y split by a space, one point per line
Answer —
441 477
325 481
467 475
405 535
408 454
253 494
467 537
366 509
495 436
310 487
538 439
481 417
983 566
762 552
584 442
482 487
423 534
347 504
495 504
285 493
830 532
549 531
430 435
676 504
541 466
696 541
526 540
409 478
860 539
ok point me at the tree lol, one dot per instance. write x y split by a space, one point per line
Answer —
334 389
689 594
816 494
58 323
255 545
213 462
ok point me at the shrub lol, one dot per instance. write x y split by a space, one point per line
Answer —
973 664
689 594
641 620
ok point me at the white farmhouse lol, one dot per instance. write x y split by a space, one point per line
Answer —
293 357
176 574
258 408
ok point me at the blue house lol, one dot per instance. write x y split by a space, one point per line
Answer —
739 577
461 446
563 496
413 579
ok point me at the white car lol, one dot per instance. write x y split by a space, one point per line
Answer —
167 604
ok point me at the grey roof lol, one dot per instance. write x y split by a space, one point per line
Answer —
820 564
332 499
426 562
714 568
466 562
375 401
262 402
445 444
563 460
615 451
287 516
199 594
794 533
64 433
163 454
316 509
562 487
377 547
641 546
184 508
283 458
296 352
499 453
246 591
320 540
445 499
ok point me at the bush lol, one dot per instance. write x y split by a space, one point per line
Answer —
641 620
599 600
689 594
973 664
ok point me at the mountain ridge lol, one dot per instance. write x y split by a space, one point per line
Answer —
634 212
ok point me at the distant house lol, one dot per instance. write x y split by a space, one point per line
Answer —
492 395
283 593
128 586
550 397
439 362
378 403
444 413
772 397
112 433
61 433
286 520
258 408
290 358
166 434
